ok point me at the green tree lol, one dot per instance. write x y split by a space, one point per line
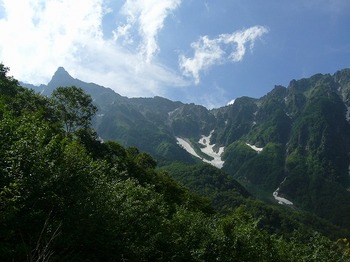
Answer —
8 84
74 106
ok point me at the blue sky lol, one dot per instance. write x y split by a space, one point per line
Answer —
206 52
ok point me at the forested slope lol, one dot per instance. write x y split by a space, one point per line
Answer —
66 196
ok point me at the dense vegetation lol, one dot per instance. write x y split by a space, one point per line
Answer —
66 196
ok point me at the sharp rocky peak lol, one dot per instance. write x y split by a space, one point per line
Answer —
61 73
61 78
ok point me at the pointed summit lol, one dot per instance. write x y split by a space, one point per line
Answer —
60 78
61 72
102 95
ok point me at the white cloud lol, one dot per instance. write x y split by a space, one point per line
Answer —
222 49
148 16
123 70
38 36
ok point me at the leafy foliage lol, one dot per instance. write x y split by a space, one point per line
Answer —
74 106
224 192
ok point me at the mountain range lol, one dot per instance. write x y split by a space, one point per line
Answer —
290 146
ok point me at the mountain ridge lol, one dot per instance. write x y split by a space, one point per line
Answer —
302 131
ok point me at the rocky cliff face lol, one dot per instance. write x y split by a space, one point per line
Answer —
304 132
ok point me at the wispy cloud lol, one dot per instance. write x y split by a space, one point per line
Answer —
148 17
37 36
222 49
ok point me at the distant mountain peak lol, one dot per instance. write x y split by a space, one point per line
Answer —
61 68
60 78
61 72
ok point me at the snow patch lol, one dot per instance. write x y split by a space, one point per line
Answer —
257 149
172 112
187 146
231 102
208 149
281 200
348 114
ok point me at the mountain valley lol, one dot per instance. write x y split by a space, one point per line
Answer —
291 145
146 179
